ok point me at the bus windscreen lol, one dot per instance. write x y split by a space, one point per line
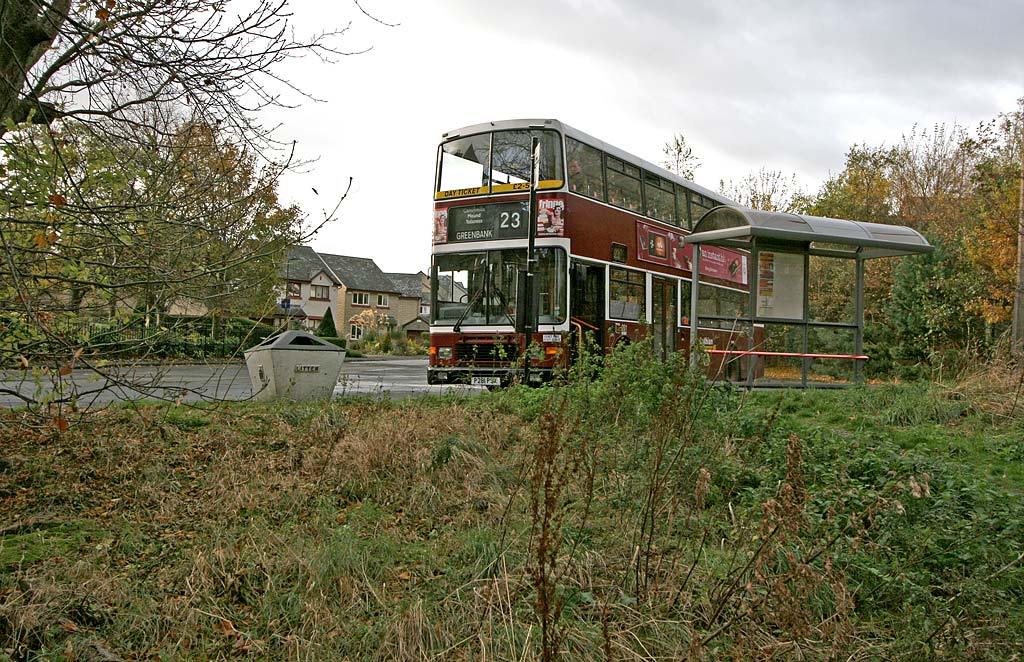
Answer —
497 162
480 288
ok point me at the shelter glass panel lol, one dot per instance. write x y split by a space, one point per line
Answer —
728 305
831 291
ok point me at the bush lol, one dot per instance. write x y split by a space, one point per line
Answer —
326 328
335 340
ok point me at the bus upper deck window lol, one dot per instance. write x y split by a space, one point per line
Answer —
584 167
465 163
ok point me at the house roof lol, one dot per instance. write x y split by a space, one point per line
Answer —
410 285
416 324
359 273
304 264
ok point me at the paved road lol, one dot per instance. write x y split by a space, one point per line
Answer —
391 377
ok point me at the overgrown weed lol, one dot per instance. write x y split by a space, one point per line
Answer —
633 513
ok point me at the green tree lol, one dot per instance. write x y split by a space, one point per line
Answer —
136 173
862 191
928 313
955 186
193 222
991 247
326 328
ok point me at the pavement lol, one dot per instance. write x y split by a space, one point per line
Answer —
392 377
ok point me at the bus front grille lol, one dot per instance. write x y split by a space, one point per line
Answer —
487 352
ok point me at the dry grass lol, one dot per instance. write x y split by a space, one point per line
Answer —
248 531
370 530
996 388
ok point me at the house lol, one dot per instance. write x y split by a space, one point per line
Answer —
413 311
310 289
348 286
362 286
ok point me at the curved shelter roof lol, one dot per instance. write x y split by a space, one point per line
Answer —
738 226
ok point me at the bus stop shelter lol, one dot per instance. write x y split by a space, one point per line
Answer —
780 248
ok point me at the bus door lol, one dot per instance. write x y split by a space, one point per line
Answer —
587 297
663 316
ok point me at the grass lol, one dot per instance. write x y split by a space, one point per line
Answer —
682 522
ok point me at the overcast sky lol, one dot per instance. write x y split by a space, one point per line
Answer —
788 85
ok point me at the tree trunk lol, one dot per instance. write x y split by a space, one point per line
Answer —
1018 297
28 29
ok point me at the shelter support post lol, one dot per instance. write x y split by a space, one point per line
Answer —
694 301
858 334
752 280
805 362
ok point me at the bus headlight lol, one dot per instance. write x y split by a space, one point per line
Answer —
444 353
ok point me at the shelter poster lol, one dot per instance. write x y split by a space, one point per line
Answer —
780 285
765 282
667 248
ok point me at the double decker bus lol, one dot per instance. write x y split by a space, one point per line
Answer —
609 254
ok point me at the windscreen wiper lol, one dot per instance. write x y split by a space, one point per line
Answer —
504 304
469 304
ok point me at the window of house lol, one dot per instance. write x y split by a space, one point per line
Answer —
294 289
360 299
355 332
382 300
320 292
424 308
627 294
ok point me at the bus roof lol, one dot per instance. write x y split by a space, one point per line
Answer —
565 129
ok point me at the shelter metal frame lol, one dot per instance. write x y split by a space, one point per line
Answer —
760 231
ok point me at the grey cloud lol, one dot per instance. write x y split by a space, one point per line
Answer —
784 77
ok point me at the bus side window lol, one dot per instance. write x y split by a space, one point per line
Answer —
699 205
623 184
659 198
585 172
682 208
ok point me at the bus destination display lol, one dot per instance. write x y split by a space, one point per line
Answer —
509 220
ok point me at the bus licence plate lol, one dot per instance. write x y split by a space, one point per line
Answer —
486 381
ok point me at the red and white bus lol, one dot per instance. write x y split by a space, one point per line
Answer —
610 257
